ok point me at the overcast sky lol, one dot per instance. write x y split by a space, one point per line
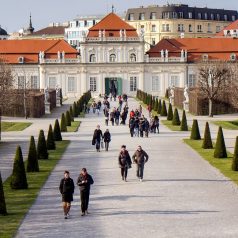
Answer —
14 14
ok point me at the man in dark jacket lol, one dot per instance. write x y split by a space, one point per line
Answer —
140 157
66 189
84 182
124 161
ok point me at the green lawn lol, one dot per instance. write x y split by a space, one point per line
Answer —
230 125
14 126
19 201
224 165
172 127
74 126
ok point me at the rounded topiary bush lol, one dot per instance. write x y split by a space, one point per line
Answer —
170 113
3 208
57 131
68 119
207 141
18 177
195 133
42 152
50 142
184 124
176 119
32 159
63 126
234 165
220 148
163 110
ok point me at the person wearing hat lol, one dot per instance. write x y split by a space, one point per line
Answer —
84 182
67 190
124 161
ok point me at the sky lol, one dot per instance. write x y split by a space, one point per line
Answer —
14 14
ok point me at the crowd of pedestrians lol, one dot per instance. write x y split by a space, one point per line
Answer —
139 126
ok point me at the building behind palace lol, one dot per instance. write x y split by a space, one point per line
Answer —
178 20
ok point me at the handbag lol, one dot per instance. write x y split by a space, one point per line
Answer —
102 145
93 142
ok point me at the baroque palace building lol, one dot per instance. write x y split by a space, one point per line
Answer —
178 20
112 56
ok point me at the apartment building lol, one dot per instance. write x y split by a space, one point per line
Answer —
178 21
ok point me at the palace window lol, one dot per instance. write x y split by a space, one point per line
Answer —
174 81
93 84
180 15
218 29
209 28
34 82
225 17
92 58
112 58
233 57
233 18
132 57
191 80
133 84
190 15
165 28
21 82
212 16
205 16
190 28
199 15
165 15
152 41
71 84
52 82
155 83
218 17
199 28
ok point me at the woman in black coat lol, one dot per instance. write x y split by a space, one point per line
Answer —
107 139
124 161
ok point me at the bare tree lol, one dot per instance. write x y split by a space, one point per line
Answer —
213 79
6 84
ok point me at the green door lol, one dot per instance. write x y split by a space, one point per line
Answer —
117 82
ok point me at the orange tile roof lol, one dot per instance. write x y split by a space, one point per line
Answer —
112 24
215 48
11 50
232 26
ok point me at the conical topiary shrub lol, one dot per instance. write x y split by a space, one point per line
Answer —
170 113
184 124
75 110
220 148
155 108
18 177
63 126
57 131
42 152
234 165
32 159
50 142
195 133
176 119
159 107
3 208
163 110
71 113
68 119
207 141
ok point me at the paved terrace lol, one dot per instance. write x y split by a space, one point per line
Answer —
181 196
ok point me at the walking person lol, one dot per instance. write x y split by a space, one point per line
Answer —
67 190
84 182
97 136
124 161
140 157
107 139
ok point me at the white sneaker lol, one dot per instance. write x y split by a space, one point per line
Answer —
141 180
